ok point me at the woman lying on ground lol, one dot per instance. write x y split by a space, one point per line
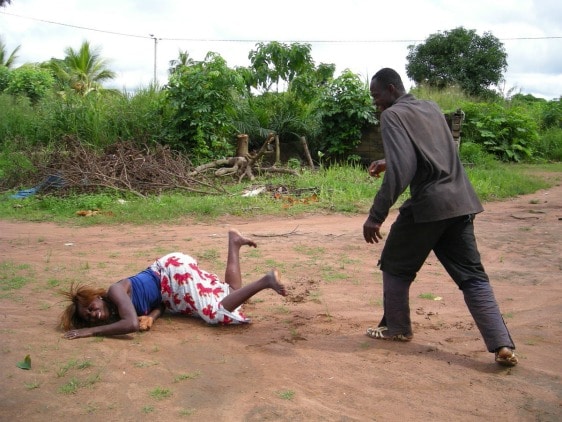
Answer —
173 282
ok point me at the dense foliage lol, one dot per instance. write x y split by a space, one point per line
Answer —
206 104
458 57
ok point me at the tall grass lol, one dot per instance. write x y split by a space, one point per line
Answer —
337 189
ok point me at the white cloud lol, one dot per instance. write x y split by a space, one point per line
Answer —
533 65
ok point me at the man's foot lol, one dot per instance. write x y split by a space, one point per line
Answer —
272 278
235 238
379 333
505 356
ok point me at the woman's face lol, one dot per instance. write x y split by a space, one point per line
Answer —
95 313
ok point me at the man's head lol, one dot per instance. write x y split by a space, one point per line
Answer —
386 87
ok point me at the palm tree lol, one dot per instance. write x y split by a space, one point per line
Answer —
6 60
83 70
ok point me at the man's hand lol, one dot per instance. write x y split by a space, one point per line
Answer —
372 232
377 167
145 323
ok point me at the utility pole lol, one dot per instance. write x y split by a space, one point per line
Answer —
155 54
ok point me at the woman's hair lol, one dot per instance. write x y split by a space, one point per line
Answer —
78 295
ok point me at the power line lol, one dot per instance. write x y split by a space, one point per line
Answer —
250 40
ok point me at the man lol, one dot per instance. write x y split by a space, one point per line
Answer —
420 153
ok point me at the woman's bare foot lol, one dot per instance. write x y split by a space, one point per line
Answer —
273 282
235 238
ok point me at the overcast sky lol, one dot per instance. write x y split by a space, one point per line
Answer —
360 35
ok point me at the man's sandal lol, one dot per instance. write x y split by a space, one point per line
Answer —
379 333
506 357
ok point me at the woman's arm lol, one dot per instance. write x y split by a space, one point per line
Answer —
118 294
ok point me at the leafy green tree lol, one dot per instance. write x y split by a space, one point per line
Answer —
82 70
182 60
31 81
346 108
458 57
6 59
276 62
202 98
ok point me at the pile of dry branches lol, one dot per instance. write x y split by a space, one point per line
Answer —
124 166
142 170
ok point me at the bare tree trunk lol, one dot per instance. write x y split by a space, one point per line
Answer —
242 147
277 151
307 152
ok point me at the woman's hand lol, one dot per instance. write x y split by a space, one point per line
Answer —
74 334
145 323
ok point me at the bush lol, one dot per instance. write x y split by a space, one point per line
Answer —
507 133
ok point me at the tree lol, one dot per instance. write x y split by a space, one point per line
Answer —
31 81
345 109
5 59
201 99
4 3
458 57
82 70
182 60
275 62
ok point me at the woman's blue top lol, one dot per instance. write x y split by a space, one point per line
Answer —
145 291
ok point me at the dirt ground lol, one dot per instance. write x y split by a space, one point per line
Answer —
304 357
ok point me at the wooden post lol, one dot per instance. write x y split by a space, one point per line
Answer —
307 152
242 146
277 150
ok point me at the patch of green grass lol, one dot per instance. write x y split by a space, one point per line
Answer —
73 364
31 385
209 255
92 408
14 276
188 376
71 387
343 189
315 251
147 409
160 393
286 394
53 282
186 412
429 296
145 364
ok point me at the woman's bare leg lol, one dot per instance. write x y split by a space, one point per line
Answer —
232 274
241 295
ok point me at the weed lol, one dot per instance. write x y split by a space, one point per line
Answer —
145 364
71 387
91 408
160 393
11 277
186 412
429 296
189 376
286 394
31 385
210 255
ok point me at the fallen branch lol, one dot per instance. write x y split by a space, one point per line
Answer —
294 231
